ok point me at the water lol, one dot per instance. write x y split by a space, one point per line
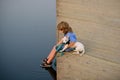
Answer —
27 34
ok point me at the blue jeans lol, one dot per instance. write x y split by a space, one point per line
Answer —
61 46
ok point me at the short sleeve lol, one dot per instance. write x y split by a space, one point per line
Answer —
72 37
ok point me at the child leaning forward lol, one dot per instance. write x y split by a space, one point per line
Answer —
63 27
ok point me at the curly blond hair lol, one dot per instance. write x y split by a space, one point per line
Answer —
64 26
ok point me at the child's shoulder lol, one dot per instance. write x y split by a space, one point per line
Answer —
70 34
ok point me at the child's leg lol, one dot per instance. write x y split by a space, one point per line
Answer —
51 55
54 51
51 52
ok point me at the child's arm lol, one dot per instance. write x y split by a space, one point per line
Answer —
63 40
65 47
59 42
71 45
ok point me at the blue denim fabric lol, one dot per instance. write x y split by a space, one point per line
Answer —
59 47
69 49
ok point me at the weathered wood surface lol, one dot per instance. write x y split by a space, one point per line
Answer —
74 67
97 25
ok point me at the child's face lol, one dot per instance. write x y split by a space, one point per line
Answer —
61 30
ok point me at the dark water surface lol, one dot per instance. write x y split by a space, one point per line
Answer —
27 34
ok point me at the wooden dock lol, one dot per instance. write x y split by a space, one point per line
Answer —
75 67
97 25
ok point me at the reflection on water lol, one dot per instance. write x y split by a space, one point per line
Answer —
52 72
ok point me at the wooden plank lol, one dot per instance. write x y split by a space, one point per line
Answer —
97 25
102 42
74 67
99 16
